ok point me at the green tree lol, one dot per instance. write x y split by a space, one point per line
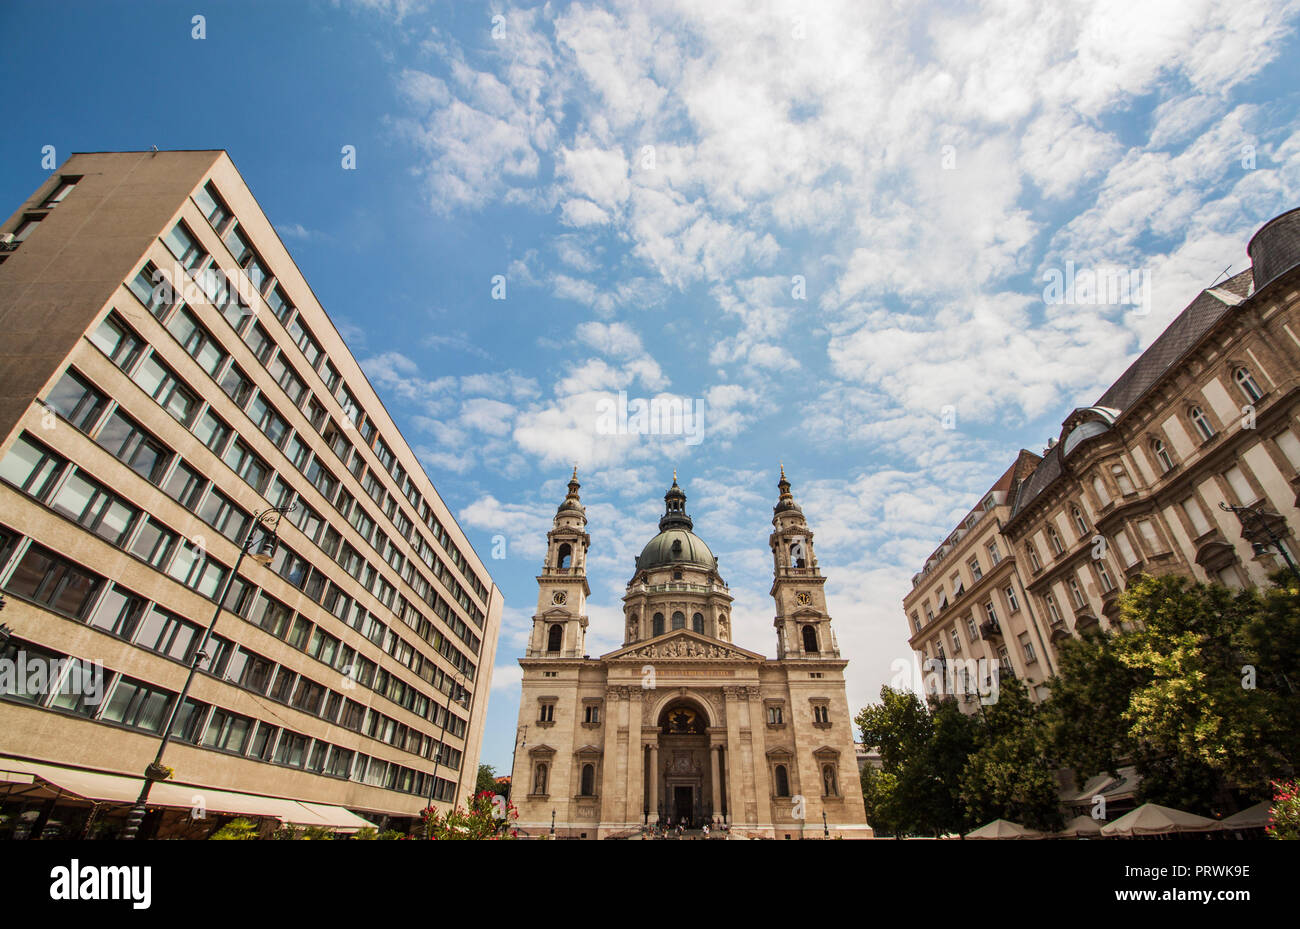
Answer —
1214 693
487 779
922 753
1011 774
878 796
1085 715
1198 693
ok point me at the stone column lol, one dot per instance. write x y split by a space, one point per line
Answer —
762 782
654 783
609 760
738 794
635 775
714 750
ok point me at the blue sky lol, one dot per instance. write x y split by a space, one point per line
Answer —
650 180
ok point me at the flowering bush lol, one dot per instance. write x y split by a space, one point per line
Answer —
488 817
1285 819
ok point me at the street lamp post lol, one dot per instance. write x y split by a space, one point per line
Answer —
826 829
265 542
552 824
458 695
1260 529
513 753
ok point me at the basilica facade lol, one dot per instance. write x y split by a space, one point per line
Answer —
680 725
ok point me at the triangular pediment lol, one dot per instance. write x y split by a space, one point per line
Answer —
684 645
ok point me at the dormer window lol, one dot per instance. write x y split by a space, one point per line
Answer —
1081 433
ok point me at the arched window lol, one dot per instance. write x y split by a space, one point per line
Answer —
697 622
658 624
564 558
555 638
809 639
1033 556
782 781
829 786
1202 422
539 779
1162 455
1054 540
588 780
1079 522
1247 384
797 554
679 620
1122 479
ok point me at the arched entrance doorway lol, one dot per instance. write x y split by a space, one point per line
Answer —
685 780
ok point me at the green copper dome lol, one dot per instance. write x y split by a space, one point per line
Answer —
676 546
675 543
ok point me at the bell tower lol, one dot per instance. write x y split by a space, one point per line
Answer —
560 623
803 626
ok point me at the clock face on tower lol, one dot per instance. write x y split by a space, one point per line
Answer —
559 597
803 598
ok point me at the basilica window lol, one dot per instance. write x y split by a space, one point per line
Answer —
555 638
588 788
775 715
797 554
821 711
679 620
810 639
658 624
546 712
697 622
591 714
782 781
564 558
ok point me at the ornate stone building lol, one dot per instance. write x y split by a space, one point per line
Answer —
681 725
1143 481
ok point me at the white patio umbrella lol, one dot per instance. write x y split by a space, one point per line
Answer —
1153 819
1081 827
1253 817
1003 829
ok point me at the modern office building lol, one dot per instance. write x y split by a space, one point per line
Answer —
1143 481
166 376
